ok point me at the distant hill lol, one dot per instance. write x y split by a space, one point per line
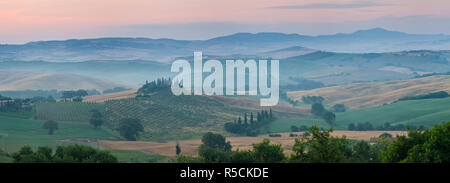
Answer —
342 68
329 68
286 52
361 95
165 50
17 80
427 112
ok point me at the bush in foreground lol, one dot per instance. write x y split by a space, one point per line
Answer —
63 154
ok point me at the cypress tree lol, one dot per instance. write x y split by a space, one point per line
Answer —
245 119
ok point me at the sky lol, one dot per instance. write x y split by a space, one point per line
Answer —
22 21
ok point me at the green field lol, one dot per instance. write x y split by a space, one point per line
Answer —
425 112
129 156
284 124
66 111
23 115
17 132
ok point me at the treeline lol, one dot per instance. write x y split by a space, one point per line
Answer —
63 154
302 128
115 90
15 105
24 94
75 95
441 94
249 127
320 147
385 127
154 86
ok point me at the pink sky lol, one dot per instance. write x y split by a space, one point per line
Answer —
22 20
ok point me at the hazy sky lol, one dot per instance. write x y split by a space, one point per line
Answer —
30 20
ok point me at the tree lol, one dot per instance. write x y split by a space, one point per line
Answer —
428 146
214 149
243 157
50 99
51 126
361 151
177 149
245 120
320 148
339 108
96 118
216 141
81 93
251 118
265 152
329 117
351 127
130 128
317 109
78 99
64 154
68 94
385 135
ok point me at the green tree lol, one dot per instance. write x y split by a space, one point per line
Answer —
81 93
385 135
178 149
361 151
216 141
68 94
214 149
51 126
320 147
329 117
317 109
268 153
339 108
243 157
431 146
64 154
96 118
130 128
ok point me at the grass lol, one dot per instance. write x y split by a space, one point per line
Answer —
17 132
284 124
425 112
4 158
23 115
135 156
66 111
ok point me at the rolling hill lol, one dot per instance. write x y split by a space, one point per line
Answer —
166 116
326 67
426 112
17 80
165 50
361 95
